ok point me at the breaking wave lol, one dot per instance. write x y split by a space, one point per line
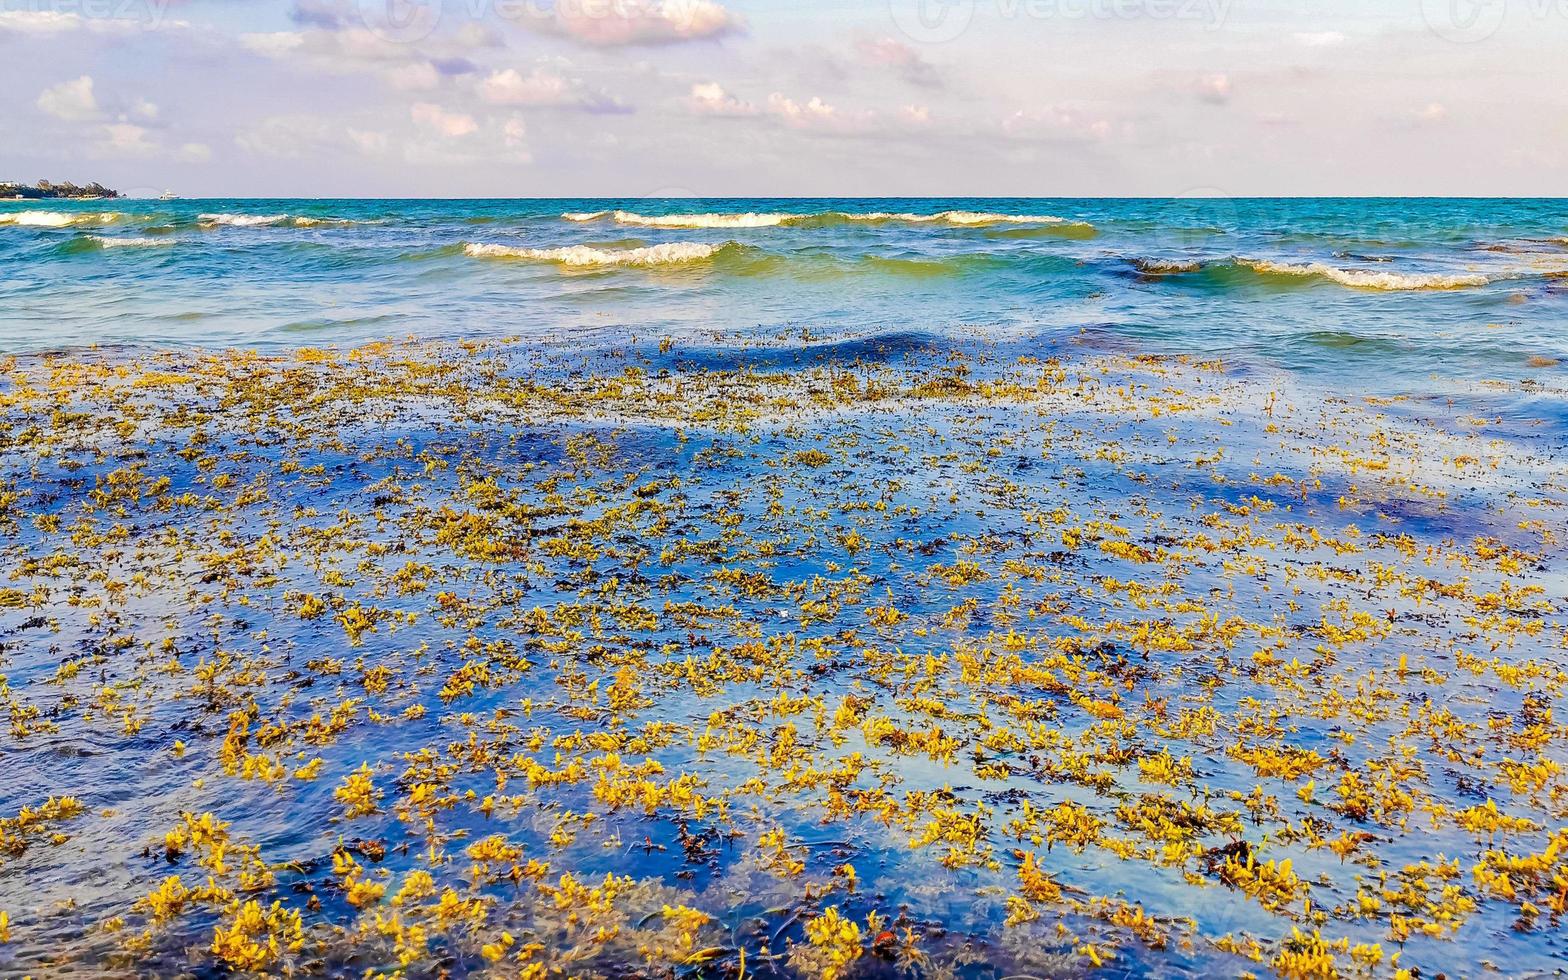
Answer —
1227 270
756 219
268 220
1366 278
97 242
585 256
58 219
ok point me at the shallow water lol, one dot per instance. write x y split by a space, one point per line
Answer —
952 597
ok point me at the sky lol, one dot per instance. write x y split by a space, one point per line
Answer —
855 98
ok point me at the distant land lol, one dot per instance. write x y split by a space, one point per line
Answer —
47 189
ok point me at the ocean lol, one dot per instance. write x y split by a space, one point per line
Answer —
821 589
1357 288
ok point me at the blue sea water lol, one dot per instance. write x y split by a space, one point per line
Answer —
1364 290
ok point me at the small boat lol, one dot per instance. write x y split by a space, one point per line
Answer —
168 196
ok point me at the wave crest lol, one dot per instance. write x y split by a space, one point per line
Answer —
58 219
586 256
268 220
1366 278
756 219
103 241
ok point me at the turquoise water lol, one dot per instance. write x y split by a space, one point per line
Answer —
1465 288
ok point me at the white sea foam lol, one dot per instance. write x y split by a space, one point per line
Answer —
754 219
962 218
749 219
1366 278
105 242
57 219
242 220
670 253
1165 267
268 220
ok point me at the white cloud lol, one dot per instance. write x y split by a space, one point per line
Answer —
1215 88
538 88
274 45
38 22
438 120
128 139
813 112
710 99
888 52
1432 112
286 137
368 141
514 132
73 101
1056 124
1320 39
417 76
612 23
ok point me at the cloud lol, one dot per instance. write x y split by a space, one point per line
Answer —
276 44
544 88
452 125
888 52
710 99
514 132
128 139
39 23
1214 88
413 77
1432 112
72 101
1056 124
1320 39
616 23
312 13
368 141
286 137
814 112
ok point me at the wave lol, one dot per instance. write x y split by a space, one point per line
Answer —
1286 272
97 242
1166 267
58 219
586 256
1366 278
756 219
269 220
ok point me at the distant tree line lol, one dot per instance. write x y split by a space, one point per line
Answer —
48 188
